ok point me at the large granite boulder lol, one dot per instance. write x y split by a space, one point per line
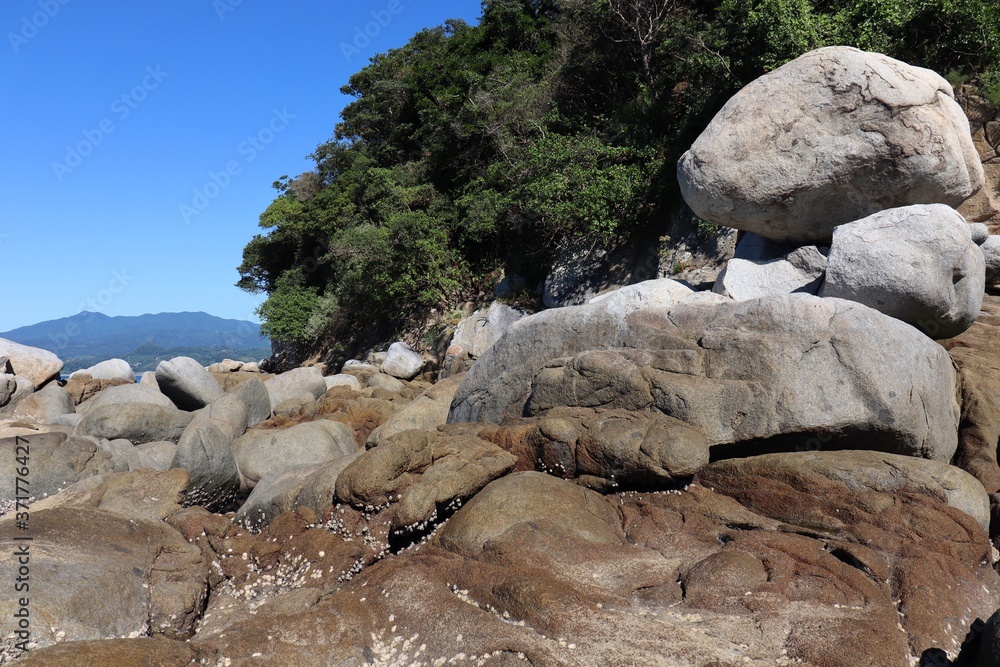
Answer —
112 369
786 370
187 383
37 365
918 264
833 136
126 393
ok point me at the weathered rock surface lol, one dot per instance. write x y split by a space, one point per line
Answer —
402 361
265 451
294 383
143 652
45 405
918 264
784 369
112 369
97 575
974 352
833 136
583 268
148 495
991 255
55 461
187 383
762 267
428 473
136 422
37 365
426 412
862 471
306 486
606 450
257 399
83 387
13 390
126 393
343 380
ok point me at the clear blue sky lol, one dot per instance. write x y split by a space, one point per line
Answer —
151 99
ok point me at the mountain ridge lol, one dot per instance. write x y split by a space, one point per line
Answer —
88 337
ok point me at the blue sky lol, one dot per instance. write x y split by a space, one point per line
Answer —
140 140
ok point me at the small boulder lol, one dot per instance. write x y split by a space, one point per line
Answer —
402 361
136 422
256 398
112 369
187 383
426 412
45 405
343 380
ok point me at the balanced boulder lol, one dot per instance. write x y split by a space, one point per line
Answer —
187 383
833 136
918 264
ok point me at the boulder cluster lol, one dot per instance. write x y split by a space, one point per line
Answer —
798 467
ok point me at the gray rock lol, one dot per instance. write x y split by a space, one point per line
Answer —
357 366
991 254
44 405
205 451
535 498
16 388
789 369
149 379
187 383
387 382
917 264
226 366
279 492
425 413
267 451
762 267
112 369
70 421
229 413
658 293
126 393
37 365
980 232
294 383
478 332
402 361
122 452
343 380
833 136
256 398
136 422
156 455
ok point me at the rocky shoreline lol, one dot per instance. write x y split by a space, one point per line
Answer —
798 467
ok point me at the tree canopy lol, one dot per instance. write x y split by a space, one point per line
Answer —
472 147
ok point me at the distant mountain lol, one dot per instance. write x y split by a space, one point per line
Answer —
86 338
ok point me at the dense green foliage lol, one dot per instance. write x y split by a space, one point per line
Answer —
472 148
